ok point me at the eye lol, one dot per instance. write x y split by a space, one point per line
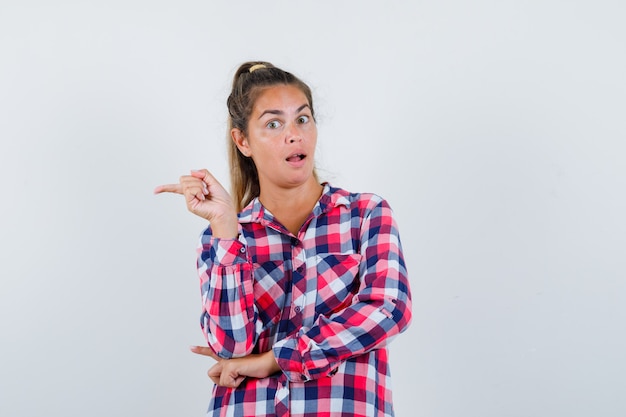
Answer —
303 119
274 124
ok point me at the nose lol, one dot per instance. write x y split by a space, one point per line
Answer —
293 134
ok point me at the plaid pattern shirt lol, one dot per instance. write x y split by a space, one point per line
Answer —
327 301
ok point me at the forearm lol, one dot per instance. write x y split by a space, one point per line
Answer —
364 326
229 315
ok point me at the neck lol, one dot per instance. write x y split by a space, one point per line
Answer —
291 206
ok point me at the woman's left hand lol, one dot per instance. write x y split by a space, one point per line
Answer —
231 372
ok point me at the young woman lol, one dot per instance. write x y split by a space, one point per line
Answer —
303 284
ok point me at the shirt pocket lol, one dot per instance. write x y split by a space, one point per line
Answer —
269 297
337 281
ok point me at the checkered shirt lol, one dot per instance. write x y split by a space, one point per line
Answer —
327 301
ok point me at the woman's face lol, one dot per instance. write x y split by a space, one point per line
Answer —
281 137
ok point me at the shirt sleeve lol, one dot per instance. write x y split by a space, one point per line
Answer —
229 314
380 309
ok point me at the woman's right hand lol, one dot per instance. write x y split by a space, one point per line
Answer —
207 198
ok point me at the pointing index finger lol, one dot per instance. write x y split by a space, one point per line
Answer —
206 351
168 188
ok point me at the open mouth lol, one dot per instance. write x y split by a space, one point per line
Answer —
296 157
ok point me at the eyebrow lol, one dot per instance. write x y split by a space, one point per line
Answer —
280 112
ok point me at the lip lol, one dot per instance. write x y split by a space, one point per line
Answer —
296 162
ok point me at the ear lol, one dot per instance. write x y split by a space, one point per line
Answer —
240 140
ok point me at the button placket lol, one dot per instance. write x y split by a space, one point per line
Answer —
299 280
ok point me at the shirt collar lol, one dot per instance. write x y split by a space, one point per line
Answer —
331 197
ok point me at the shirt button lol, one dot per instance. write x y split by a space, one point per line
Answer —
298 309
242 250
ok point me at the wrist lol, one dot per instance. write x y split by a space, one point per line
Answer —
223 228
271 364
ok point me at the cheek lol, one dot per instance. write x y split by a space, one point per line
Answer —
312 134
261 154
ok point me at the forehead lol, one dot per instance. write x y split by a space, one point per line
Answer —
279 97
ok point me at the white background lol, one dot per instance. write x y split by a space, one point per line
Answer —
495 129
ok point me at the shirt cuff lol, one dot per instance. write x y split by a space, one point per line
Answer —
289 360
225 252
